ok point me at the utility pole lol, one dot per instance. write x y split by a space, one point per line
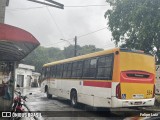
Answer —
3 4
75 46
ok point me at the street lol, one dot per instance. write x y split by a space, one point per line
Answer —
57 108
60 109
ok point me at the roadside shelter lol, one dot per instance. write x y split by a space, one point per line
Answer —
15 44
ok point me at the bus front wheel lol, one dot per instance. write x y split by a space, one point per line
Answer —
74 98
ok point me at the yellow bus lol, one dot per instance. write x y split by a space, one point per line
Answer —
110 78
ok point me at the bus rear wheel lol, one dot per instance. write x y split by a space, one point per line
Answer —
74 98
49 96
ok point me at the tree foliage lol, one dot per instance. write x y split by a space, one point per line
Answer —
136 23
43 55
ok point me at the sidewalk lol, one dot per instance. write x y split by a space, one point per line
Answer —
27 91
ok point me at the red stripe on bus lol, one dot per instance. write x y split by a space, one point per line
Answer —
97 84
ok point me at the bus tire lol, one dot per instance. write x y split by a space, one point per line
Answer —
49 96
45 88
73 98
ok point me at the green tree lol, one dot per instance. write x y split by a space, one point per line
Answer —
88 49
42 55
69 51
136 23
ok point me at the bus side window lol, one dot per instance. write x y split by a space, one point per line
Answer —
93 65
101 68
74 68
77 69
69 70
86 68
105 67
58 71
61 70
65 70
89 69
54 71
51 71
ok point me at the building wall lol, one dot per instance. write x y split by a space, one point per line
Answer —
26 73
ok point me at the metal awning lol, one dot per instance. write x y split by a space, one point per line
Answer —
15 43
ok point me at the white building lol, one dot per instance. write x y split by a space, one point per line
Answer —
23 75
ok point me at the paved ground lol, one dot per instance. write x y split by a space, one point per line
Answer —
60 109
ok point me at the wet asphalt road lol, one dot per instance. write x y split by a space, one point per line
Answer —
60 109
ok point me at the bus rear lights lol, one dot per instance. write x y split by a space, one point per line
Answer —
118 91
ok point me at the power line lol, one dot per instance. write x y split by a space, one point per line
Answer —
88 33
55 22
91 32
81 35
54 43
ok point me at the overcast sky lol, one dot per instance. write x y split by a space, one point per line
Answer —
49 24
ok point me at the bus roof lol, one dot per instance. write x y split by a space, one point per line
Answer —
82 57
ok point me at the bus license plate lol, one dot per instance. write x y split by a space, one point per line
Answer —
138 103
138 96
